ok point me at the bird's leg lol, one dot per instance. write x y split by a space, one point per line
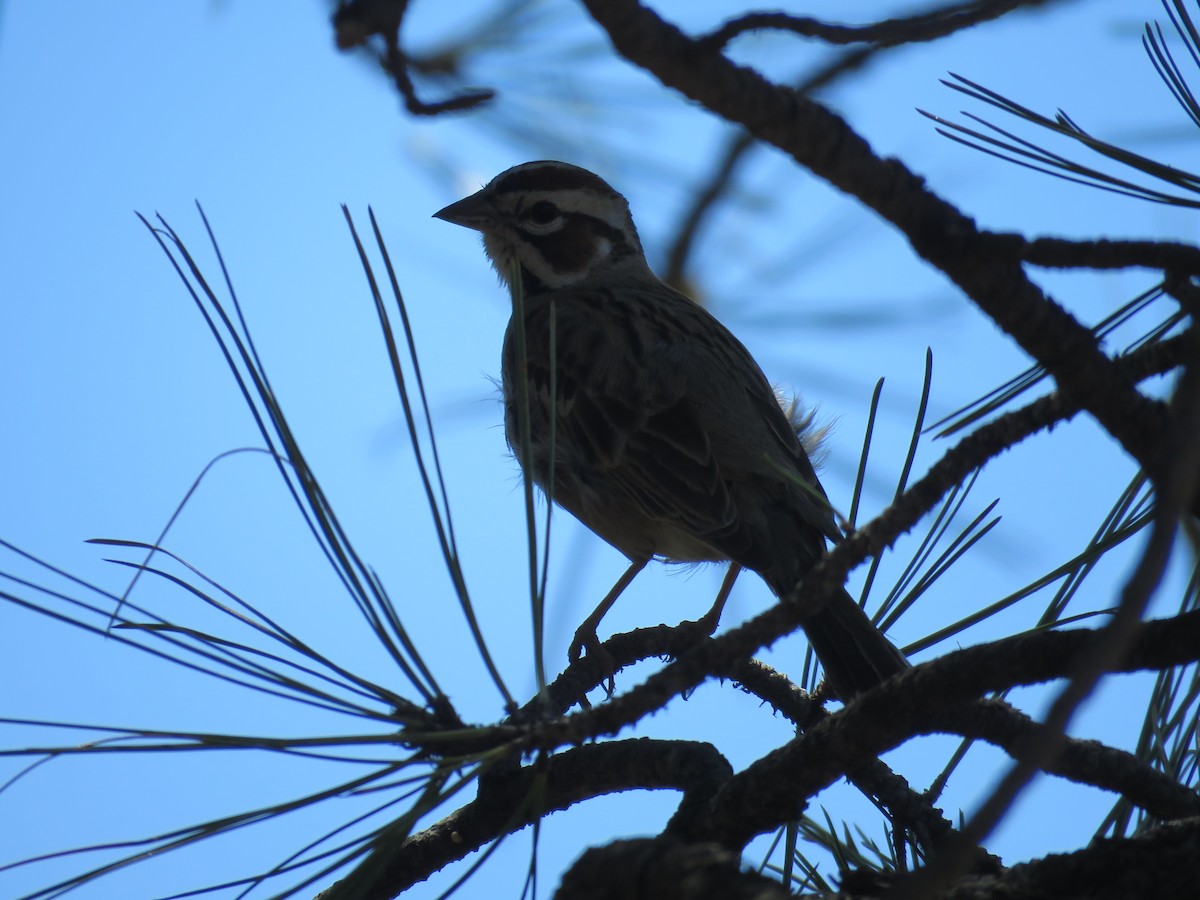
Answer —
708 622
585 634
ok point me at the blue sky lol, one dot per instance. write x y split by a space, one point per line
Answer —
116 396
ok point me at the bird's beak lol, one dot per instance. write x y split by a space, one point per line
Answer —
474 212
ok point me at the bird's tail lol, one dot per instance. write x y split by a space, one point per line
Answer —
855 653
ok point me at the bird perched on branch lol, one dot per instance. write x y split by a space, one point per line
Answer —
668 440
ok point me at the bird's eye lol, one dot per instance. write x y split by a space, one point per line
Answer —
542 213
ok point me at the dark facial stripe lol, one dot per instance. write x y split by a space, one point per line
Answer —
564 251
530 283
614 236
579 225
572 247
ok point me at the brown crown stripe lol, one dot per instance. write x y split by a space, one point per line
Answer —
551 176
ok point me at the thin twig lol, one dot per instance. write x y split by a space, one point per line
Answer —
937 23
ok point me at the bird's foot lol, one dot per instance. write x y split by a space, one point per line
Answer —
587 640
706 624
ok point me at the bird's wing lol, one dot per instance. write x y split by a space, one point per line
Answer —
751 434
624 410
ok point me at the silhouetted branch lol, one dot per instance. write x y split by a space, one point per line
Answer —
508 804
1158 863
1060 253
1174 490
937 23
719 182
1084 762
645 868
774 789
823 142
916 703
356 21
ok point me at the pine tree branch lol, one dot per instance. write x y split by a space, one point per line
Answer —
771 790
1059 253
507 805
824 143
1158 863
928 26
1084 762
1174 490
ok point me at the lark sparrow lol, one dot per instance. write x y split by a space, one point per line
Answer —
669 440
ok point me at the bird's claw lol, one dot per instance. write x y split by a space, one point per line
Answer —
595 651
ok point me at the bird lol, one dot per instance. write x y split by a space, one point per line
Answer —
648 420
